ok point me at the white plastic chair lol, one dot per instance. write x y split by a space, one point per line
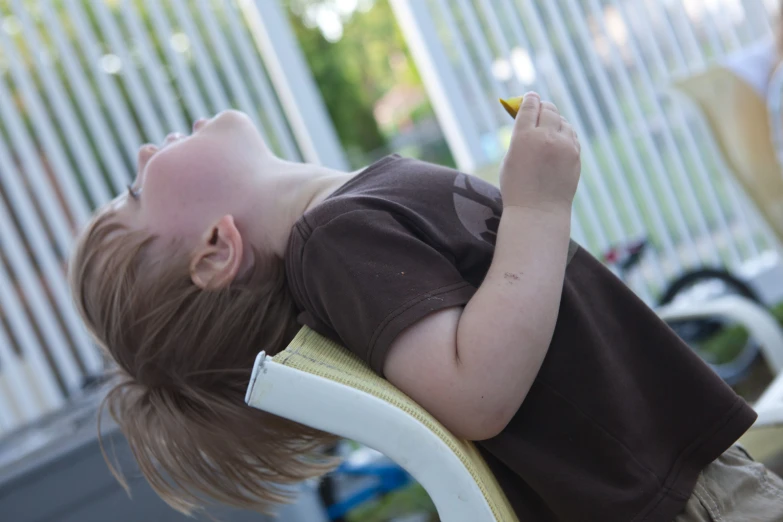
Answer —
762 326
320 384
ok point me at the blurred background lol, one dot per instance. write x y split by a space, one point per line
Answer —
681 196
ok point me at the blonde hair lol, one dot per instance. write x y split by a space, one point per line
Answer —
184 357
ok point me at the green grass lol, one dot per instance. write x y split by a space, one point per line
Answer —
406 501
726 344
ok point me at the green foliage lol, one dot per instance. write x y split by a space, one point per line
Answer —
726 344
412 499
348 105
355 71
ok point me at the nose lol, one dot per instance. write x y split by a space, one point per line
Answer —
144 155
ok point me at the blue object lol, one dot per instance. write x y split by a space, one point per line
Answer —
389 477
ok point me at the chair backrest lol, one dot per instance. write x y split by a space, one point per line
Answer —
320 384
738 118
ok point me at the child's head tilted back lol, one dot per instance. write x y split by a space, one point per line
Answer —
183 297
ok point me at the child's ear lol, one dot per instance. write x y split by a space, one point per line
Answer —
218 257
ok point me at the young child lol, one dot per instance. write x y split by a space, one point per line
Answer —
586 406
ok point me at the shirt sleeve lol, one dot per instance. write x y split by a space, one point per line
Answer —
366 276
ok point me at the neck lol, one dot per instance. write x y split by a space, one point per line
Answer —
281 196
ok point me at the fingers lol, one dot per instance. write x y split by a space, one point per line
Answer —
550 117
535 113
527 117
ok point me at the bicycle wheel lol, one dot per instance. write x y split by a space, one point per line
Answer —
726 348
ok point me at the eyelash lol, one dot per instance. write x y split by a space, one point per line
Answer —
134 194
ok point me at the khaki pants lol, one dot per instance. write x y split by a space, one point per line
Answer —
735 488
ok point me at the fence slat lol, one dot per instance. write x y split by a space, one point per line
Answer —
77 206
32 351
584 205
113 100
670 143
43 255
481 108
204 66
613 225
66 117
142 102
175 121
36 296
293 82
8 416
225 57
679 123
190 91
637 170
82 85
98 127
259 80
22 392
485 55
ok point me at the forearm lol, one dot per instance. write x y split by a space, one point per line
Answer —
472 367
506 328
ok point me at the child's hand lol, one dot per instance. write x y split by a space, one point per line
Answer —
542 166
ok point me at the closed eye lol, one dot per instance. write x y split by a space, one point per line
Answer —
133 193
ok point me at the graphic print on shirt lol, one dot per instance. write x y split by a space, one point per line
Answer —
478 207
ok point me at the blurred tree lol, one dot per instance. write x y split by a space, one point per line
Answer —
356 53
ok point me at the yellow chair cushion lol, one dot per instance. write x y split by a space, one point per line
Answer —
317 355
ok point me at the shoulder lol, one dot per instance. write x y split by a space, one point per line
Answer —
339 232
336 219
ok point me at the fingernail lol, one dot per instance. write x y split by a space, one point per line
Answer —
532 93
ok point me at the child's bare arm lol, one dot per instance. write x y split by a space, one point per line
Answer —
472 368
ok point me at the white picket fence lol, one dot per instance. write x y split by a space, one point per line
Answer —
649 166
82 84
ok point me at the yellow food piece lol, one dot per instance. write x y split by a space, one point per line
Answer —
512 105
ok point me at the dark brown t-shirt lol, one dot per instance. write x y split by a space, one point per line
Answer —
622 416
